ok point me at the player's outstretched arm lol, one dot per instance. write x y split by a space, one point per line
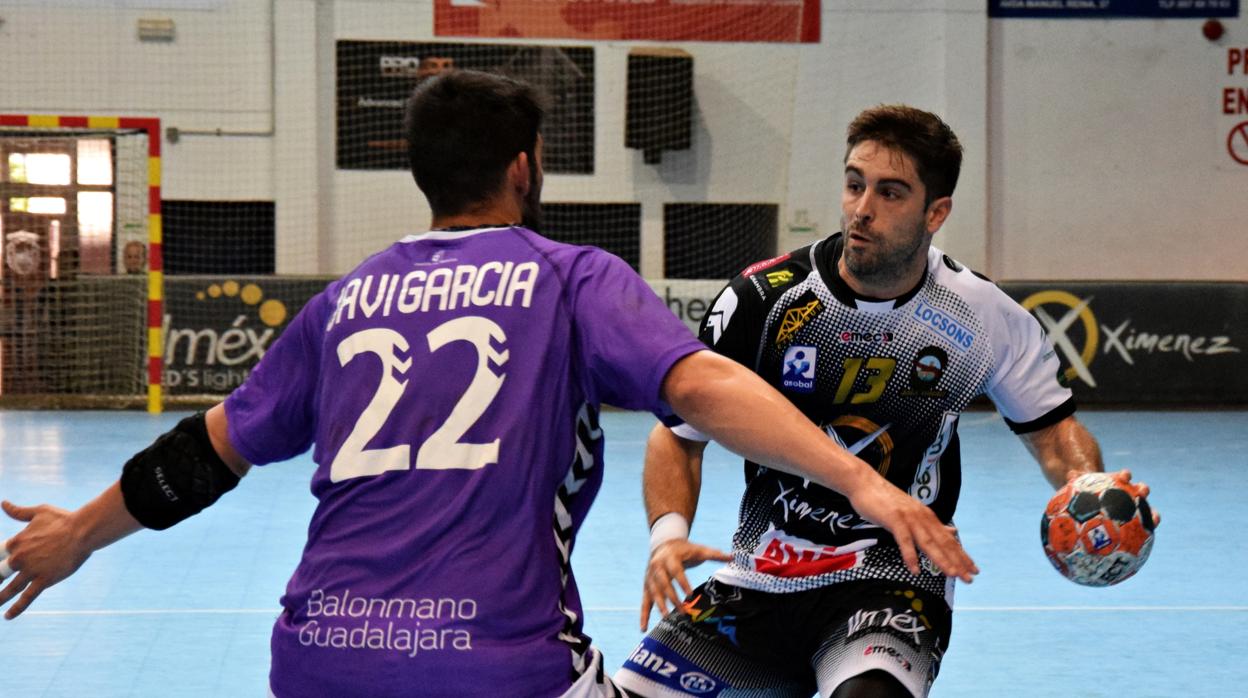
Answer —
671 480
1064 448
55 542
1067 449
732 405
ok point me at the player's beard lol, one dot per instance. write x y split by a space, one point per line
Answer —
889 258
531 207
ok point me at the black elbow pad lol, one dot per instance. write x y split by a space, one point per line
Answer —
176 477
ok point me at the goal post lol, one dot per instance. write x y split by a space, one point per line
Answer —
81 262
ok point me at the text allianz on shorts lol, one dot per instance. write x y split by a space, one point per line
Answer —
734 641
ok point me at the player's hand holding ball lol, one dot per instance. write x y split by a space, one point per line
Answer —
1097 530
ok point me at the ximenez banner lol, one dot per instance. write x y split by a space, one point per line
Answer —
1146 342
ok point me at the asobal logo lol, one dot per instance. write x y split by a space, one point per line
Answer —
215 340
799 369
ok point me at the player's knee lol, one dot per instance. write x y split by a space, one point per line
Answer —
876 683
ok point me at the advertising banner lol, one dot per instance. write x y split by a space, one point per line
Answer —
1146 342
688 299
775 21
1074 9
216 328
1129 343
375 79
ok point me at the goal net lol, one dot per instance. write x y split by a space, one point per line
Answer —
74 283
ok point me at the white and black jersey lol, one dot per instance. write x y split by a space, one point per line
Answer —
886 379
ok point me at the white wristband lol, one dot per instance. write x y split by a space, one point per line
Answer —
670 526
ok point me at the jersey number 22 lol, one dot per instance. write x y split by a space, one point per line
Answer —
443 450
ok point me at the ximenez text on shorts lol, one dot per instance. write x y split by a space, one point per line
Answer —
393 625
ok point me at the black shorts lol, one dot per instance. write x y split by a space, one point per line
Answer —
725 637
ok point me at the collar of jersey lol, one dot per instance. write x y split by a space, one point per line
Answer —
827 253
454 233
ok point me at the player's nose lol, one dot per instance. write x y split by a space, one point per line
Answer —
865 210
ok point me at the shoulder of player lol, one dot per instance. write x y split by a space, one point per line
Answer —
565 255
976 288
568 261
986 299
769 278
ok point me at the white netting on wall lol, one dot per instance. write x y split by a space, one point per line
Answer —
284 161
680 181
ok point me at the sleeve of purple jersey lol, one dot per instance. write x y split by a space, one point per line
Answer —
627 338
271 415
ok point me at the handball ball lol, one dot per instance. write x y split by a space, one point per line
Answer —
1097 530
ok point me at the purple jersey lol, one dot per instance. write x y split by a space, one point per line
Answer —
451 386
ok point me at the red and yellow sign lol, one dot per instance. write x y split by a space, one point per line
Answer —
778 21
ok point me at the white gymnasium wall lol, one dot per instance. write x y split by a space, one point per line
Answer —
1094 149
80 57
928 53
1109 154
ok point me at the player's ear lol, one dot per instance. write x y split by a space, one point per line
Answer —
937 212
518 174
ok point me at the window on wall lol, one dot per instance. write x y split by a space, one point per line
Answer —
716 241
615 228
60 190
40 168
218 237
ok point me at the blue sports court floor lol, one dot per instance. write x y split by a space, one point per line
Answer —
187 612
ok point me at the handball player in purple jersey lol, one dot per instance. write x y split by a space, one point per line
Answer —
449 388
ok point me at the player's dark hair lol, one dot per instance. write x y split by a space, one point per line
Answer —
921 135
464 128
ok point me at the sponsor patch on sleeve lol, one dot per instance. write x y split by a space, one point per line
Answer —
799 369
717 320
766 263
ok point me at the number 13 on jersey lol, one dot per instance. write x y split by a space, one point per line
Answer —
877 371
442 450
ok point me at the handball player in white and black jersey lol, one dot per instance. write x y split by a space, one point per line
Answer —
882 340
